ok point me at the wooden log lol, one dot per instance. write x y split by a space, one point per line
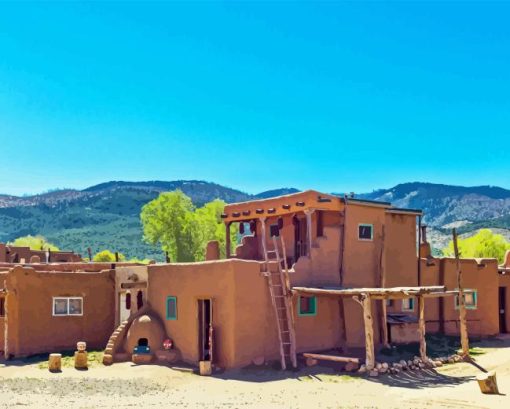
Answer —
421 328
382 284
80 360
334 358
366 303
55 363
487 382
464 341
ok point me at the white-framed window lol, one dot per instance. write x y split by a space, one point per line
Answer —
365 232
408 304
63 306
470 299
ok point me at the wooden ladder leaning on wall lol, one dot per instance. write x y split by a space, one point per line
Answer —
281 299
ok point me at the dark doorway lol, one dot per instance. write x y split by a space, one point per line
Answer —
205 330
299 237
502 310
143 342
139 299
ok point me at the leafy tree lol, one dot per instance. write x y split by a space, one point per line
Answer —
106 256
168 221
210 227
34 242
483 244
172 221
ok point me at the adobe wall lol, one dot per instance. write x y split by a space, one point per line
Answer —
70 267
480 275
190 282
3 277
8 252
32 328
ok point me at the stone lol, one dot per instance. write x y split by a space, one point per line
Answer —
259 360
385 365
378 366
362 369
438 363
403 363
373 373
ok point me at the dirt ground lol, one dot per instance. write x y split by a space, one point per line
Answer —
126 385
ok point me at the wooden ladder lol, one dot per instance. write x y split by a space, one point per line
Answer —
281 298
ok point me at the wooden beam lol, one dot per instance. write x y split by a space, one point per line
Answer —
421 328
309 232
464 341
227 240
263 234
382 284
365 301
334 358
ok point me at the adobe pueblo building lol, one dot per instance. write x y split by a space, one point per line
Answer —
312 272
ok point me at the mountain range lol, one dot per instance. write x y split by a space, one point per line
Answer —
106 216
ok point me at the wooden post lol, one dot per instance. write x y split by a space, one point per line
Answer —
263 235
464 341
382 284
89 250
366 302
309 232
55 362
421 328
227 240
488 383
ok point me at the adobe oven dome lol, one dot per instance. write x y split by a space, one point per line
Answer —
146 326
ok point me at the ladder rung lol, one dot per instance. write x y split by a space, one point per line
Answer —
286 343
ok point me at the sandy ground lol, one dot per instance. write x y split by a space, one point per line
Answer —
126 385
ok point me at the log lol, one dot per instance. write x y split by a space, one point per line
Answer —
464 341
366 303
421 328
334 358
487 382
80 360
55 363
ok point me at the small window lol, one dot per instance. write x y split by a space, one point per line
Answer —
128 301
470 299
365 231
171 308
63 306
307 306
408 304
389 303
2 307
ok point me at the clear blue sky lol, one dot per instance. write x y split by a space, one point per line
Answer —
333 96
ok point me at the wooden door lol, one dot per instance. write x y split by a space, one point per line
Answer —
502 310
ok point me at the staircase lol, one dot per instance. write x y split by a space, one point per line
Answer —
113 342
277 274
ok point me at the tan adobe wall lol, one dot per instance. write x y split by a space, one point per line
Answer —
73 266
32 328
480 275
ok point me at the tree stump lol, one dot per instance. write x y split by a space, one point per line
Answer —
487 382
80 360
55 363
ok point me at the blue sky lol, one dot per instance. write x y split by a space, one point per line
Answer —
333 96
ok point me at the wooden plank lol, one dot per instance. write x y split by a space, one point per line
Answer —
464 341
394 292
334 358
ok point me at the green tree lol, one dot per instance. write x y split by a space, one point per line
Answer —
106 256
210 226
483 244
34 242
173 222
168 221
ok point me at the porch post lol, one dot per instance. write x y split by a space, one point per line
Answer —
308 214
263 234
421 328
227 240
366 302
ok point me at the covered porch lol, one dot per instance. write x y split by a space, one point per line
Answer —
364 297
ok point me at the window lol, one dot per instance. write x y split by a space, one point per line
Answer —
307 306
365 232
389 303
408 304
171 308
320 223
470 299
63 306
2 307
